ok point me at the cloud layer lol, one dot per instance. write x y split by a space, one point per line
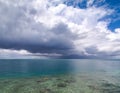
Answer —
53 27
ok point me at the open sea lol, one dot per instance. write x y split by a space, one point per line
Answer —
59 76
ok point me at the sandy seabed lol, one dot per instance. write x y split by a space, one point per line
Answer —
64 83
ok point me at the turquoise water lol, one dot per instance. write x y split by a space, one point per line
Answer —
59 76
33 67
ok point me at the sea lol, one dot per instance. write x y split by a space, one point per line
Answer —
59 76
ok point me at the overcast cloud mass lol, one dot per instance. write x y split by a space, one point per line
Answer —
57 28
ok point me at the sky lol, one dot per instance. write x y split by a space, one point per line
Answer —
59 29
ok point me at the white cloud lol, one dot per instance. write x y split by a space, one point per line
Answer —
10 53
7 53
57 27
90 2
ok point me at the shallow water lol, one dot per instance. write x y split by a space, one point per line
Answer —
59 76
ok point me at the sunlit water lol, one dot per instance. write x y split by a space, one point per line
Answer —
59 76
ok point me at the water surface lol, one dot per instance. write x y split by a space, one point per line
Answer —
59 76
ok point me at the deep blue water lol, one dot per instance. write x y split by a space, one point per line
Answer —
35 67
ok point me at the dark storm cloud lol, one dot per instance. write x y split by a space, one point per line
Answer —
18 30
